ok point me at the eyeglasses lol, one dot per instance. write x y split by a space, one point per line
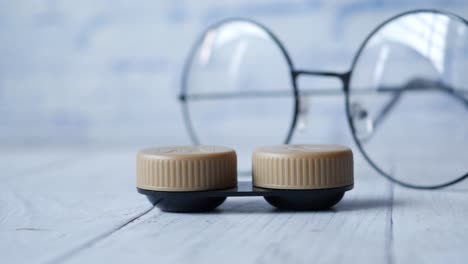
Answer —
406 94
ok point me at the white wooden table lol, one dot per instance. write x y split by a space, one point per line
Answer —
81 206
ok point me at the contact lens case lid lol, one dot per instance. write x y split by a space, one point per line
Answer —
186 168
302 167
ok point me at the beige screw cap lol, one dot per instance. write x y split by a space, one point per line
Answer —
186 168
302 167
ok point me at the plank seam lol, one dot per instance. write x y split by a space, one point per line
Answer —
88 244
389 258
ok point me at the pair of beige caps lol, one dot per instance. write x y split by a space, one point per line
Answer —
203 168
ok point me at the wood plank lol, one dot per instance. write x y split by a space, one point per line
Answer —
248 230
71 213
432 227
54 211
17 162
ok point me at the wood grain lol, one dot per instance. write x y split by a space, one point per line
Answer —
57 209
82 206
248 230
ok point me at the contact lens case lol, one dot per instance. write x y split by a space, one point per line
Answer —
200 178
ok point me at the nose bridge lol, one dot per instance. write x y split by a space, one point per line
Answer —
320 82
343 78
311 86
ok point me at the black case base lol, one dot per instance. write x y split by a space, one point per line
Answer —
202 201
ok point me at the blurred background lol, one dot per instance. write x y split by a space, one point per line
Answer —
107 73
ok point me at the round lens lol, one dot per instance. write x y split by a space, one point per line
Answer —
408 98
238 89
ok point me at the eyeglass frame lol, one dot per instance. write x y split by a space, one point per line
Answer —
344 77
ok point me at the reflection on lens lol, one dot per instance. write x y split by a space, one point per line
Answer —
410 79
239 89
363 123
